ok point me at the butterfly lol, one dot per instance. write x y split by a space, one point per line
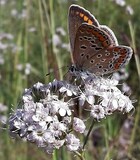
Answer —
94 47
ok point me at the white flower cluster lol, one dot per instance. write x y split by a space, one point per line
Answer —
46 119
104 97
47 114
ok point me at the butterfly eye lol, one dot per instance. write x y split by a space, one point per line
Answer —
72 68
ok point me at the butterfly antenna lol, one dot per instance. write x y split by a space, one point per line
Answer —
56 70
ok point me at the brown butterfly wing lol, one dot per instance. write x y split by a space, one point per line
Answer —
110 33
77 16
108 60
88 42
94 51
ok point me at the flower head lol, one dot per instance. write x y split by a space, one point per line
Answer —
47 114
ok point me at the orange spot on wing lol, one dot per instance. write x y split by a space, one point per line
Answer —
81 15
123 55
85 18
116 66
105 44
116 49
96 33
90 22
120 60
101 38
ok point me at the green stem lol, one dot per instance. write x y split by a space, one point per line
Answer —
54 155
44 50
79 155
55 51
132 33
136 124
87 136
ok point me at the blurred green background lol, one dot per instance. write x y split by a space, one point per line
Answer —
34 40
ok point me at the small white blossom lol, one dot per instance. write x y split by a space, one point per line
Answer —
57 128
49 136
19 67
66 46
27 69
56 40
126 88
61 31
61 107
6 36
3 107
14 12
37 136
3 2
86 96
3 119
78 125
32 29
72 142
129 10
23 14
49 149
27 98
120 2
97 112
58 143
124 103
3 46
68 89
38 85
41 115
64 89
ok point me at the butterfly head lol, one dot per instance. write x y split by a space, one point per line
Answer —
73 69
